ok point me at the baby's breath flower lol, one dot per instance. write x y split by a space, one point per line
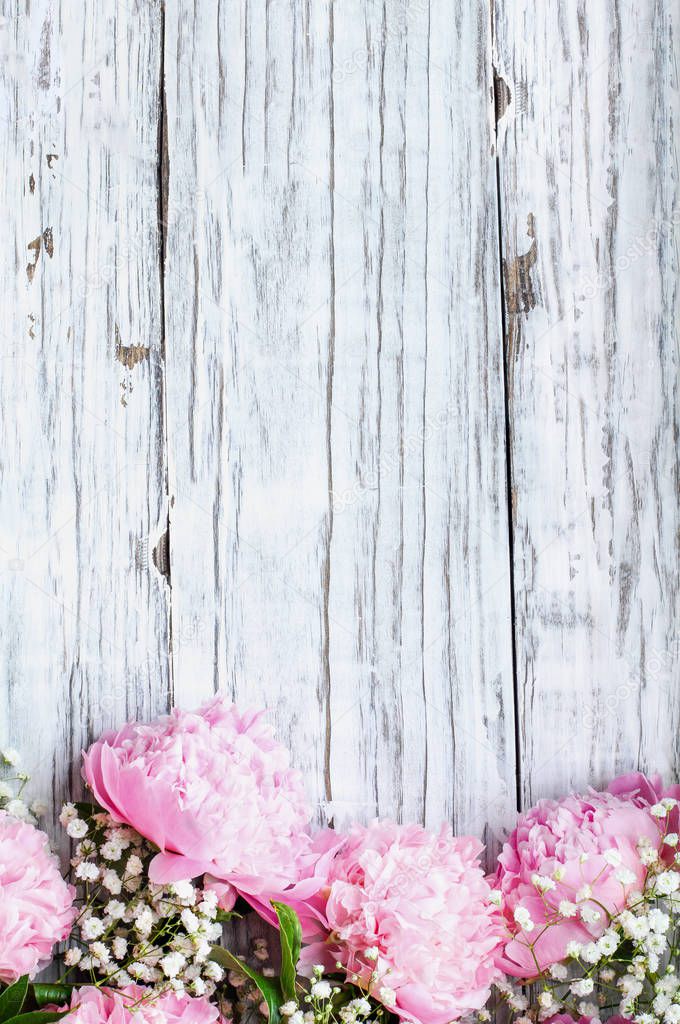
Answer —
77 828
91 928
134 866
523 919
86 871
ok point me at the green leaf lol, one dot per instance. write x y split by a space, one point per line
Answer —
290 936
47 993
37 1017
227 915
269 987
13 999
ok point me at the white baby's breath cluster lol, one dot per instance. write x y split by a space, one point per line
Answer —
328 1002
13 783
130 930
633 968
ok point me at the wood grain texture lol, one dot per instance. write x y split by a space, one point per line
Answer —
83 615
253 430
589 174
338 535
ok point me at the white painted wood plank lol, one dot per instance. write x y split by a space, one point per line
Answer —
83 615
339 539
589 170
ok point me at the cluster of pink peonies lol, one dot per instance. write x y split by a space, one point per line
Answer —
403 914
36 905
216 795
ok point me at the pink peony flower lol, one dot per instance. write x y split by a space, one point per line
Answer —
580 853
213 790
414 908
307 897
137 1005
36 904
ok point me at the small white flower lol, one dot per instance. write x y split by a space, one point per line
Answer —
321 990
190 921
582 987
198 987
6 791
496 897
361 1007
608 943
288 1009
115 909
372 953
72 957
671 839
184 891
87 871
543 883
589 915
140 971
545 1000
584 893
625 876
120 947
112 882
558 972
39 808
100 952
18 809
387 995
76 828
574 949
667 882
590 953
658 920
649 856
11 756
658 810
172 964
134 866
298 1017
91 929
111 850
567 908
213 971
523 919
612 857
144 921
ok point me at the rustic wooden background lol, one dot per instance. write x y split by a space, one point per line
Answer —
340 371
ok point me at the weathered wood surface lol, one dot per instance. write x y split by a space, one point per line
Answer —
589 172
259 430
83 616
335 394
